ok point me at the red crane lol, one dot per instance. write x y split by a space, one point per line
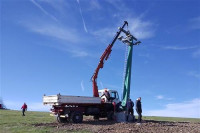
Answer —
104 56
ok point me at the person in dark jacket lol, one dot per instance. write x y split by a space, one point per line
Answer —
130 105
139 109
24 108
119 107
106 94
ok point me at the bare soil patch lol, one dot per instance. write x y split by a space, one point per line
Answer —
147 126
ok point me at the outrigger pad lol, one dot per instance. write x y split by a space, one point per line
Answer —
122 117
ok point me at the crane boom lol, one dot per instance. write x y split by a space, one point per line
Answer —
104 56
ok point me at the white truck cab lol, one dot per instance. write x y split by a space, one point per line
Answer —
114 97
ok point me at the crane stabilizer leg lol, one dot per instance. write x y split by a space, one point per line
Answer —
104 56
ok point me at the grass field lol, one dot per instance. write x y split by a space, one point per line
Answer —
14 122
173 119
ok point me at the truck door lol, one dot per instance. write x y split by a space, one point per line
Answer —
114 96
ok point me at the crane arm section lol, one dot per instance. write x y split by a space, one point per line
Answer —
104 57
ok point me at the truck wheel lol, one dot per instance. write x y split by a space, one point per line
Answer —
96 117
77 117
110 115
61 120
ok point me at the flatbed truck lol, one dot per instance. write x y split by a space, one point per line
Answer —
72 108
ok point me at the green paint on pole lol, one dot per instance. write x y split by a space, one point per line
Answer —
127 80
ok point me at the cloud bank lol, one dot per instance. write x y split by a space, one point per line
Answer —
32 106
190 109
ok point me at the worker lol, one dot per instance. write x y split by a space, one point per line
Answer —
130 105
106 94
139 109
24 108
119 107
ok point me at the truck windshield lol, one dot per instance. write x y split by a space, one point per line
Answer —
114 95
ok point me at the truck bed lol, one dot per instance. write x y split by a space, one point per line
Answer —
70 100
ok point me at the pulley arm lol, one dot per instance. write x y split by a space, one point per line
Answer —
104 57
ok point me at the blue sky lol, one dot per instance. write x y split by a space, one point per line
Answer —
50 47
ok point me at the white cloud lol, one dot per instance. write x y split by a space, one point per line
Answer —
43 10
94 4
13 105
179 47
189 109
159 97
71 37
104 34
85 28
147 55
141 29
119 5
110 32
195 74
195 23
82 86
195 48
34 106
79 53
38 107
58 5
169 98
55 31
196 54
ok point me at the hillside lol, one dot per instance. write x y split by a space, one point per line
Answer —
40 122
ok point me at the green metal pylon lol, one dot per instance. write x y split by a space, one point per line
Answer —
129 40
127 80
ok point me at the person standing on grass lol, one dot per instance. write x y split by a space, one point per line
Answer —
24 108
139 109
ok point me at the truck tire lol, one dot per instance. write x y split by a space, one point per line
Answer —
61 120
96 117
77 117
110 115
